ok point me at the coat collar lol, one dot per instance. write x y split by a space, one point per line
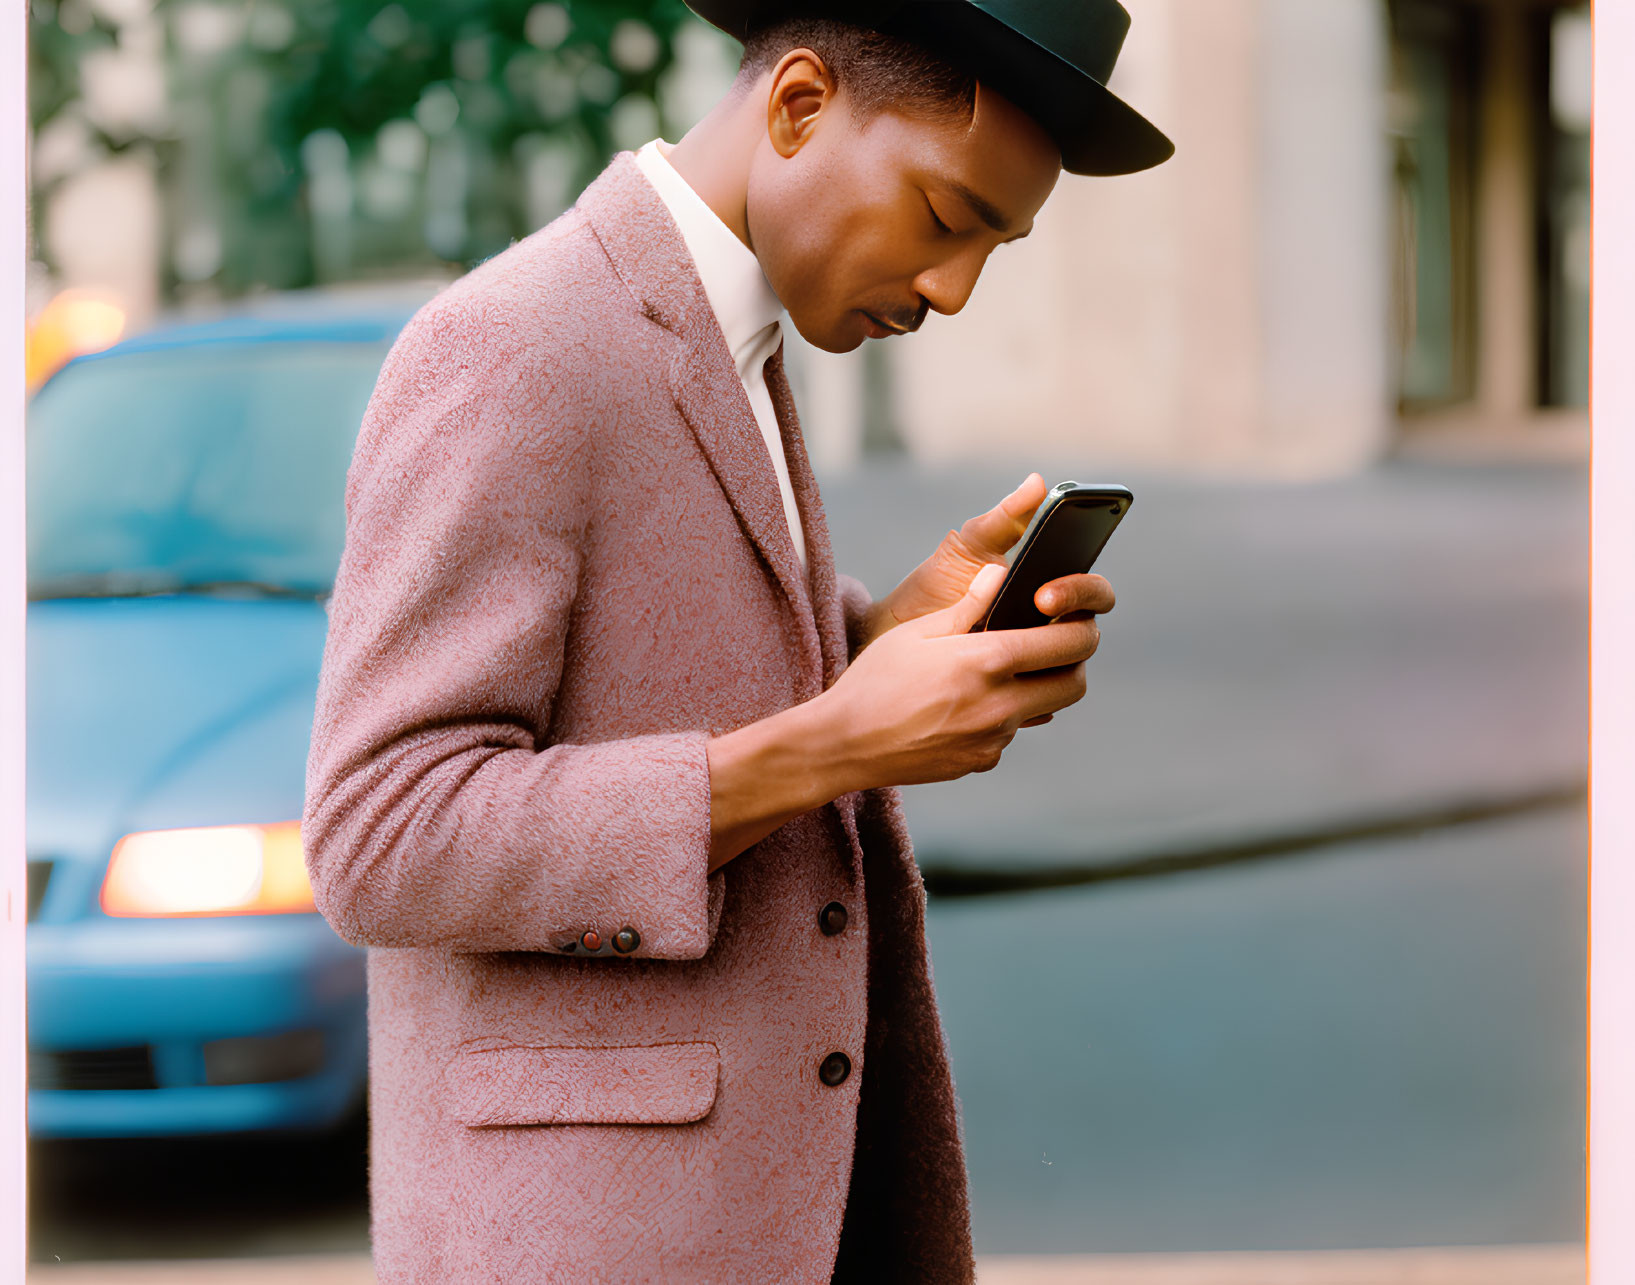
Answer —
647 250
743 299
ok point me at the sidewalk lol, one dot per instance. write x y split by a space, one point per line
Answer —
1501 1265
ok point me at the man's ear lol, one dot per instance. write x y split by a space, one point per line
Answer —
802 89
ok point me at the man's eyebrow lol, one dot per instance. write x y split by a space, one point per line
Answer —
984 208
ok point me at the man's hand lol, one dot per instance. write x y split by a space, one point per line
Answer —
927 701
931 701
943 578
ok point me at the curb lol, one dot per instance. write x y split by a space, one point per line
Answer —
1465 1265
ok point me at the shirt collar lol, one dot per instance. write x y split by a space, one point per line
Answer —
741 296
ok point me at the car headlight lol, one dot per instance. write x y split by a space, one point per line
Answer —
208 870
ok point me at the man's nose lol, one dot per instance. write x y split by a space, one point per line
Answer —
947 286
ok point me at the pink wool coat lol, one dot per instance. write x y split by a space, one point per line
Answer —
566 566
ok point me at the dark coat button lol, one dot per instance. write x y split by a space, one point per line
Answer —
835 1068
626 940
832 918
592 940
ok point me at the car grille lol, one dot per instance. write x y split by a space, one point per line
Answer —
127 1068
264 1059
39 875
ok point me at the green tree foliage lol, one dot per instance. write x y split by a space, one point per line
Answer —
310 140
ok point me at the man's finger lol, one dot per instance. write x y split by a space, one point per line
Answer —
1082 592
1050 690
1062 642
1000 527
979 595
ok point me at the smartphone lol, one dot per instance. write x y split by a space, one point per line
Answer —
1069 529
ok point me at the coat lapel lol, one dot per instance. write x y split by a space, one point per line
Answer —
830 616
826 608
647 250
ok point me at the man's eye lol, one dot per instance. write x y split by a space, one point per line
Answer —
935 219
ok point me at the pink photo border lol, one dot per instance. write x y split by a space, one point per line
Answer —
1611 964
1610 1132
13 876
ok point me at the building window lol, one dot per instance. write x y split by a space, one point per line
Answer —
1431 116
1564 212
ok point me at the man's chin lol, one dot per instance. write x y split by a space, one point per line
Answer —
841 338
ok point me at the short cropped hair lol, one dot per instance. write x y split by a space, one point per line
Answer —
877 73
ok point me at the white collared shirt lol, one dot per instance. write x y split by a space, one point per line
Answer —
744 303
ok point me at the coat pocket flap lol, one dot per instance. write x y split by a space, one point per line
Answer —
577 1084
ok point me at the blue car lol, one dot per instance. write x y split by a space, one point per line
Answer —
185 519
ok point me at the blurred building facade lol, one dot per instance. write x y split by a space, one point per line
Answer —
1374 232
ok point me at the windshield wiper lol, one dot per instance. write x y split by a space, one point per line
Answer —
253 589
140 585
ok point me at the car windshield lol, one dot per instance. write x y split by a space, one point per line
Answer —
205 468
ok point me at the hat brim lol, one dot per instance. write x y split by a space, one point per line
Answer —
1098 132
1106 136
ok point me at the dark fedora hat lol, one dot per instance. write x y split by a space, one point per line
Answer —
1052 58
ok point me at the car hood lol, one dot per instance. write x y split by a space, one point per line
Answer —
176 710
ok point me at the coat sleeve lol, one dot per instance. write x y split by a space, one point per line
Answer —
436 814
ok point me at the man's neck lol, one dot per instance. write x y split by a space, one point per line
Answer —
714 158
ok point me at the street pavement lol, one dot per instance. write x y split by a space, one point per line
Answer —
1370 1043
1379 1045
1356 1045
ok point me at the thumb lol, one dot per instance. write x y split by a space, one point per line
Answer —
979 595
1002 526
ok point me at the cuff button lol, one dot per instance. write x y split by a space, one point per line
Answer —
592 940
626 940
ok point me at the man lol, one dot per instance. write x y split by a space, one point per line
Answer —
605 757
